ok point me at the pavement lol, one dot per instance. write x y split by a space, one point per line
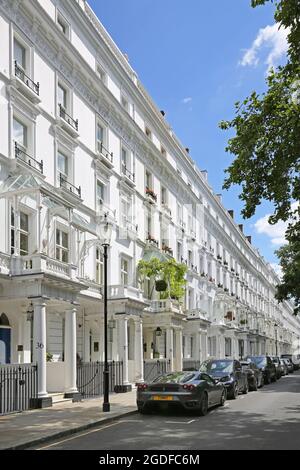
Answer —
264 420
32 428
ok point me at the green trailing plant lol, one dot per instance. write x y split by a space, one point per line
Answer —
169 271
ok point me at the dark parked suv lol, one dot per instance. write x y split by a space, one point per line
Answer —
230 373
268 367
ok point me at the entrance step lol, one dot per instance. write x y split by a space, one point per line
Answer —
59 398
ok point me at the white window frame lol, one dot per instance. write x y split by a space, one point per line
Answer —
59 246
100 123
123 272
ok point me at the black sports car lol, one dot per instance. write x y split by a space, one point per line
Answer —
194 390
230 373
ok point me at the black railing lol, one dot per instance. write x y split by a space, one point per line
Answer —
90 377
108 155
19 73
18 388
66 117
154 369
65 184
30 161
128 173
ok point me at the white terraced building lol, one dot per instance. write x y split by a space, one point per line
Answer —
81 143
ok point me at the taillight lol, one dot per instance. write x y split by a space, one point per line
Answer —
189 387
142 387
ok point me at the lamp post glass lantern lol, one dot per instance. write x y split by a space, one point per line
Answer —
106 232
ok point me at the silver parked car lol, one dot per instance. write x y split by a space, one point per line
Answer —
194 390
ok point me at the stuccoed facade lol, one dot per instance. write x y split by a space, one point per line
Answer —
82 143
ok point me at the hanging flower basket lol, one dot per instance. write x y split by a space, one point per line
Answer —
161 286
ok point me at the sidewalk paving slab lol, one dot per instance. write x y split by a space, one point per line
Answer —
28 429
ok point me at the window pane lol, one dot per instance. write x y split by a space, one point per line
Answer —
24 225
100 190
62 96
23 244
19 54
57 237
65 257
100 133
12 241
62 163
65 240
58 254
20 133
124 157
12 218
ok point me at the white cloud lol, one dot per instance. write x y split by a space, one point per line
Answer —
187 100
272 38
275 232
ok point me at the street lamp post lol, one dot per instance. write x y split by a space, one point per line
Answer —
106 237
276 338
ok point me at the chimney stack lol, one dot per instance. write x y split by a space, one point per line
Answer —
231 213
249 238
241 227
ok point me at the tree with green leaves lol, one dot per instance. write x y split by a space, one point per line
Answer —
266 147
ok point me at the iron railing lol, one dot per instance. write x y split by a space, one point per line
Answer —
66 117
30 161
18 388
154 369
65 184
108 155
19 73
90 377
128 174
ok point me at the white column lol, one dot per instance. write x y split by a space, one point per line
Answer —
178 352
26 339
70 352
170 346
39 345
197 349
123 347
139 351
204 346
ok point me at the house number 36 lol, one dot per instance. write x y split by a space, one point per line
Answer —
39 346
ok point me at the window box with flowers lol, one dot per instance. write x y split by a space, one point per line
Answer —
151 194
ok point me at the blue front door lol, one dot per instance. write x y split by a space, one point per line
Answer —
5 345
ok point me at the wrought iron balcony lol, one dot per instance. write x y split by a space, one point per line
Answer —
109 156
65 184
19 73
67 118
128 174
21 155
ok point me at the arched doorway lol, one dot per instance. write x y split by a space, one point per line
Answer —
5 339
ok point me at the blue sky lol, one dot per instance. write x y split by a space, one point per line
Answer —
192 58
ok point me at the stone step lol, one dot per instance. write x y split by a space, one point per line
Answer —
59 398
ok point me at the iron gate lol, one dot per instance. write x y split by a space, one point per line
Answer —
18 388
90 377
153 369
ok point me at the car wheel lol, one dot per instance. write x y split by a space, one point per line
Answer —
235 392
223 398
274 379
204 405
246 388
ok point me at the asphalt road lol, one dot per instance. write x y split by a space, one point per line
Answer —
268 419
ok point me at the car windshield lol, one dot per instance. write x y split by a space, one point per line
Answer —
217 366
259 361
176 377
